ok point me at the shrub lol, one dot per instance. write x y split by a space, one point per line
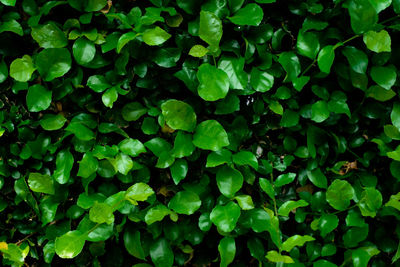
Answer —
230 132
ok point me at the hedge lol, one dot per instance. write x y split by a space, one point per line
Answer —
199 133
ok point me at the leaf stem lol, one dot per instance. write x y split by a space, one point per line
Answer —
309 67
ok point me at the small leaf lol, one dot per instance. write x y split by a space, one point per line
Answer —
327 223
53 63
64 163
49 36
185 202
21 69
318 178
357 59
274 256
284 179
101 213
210 135
296 241
133 111
178 115
41 183
378 41
308 44
226 216
83 51
214 83
290 205
245 158
210 29
155 36
109 97
227 250
70 244
87 166
229 181
325 58
384 76
161 253
261 81
339 194
198 51
50 122
138 192
132 147
251 14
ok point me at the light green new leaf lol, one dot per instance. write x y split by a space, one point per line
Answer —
156 214
214 83
155 36
339 194
178 115
290 205
185 202
21 69
245 202
138 192
378 41
251 14
38 98
274 256
325 58
296 241
210 135
229 181
41 183
227 250
9 2
132 147
198 51
101 213
70 244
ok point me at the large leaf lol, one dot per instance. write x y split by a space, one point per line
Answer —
49 36
185 202
214 83
70 244
38 98
339 194
226 216
229 181
53 63
210 135
21 69
178 115
210 29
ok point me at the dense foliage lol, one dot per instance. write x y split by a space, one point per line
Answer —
188 132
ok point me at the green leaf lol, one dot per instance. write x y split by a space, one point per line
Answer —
51 122
339 194
233 67
229 181
284 179
290 118
251 14
395 115
384 76
38 98
132 147
307 44
361 256
296 241
219 157
245 158
245 202
261 81
379 93
324 263
138 192
98 83
155 36
214 83
179 170
161 253
8 2
64 163
133 111
156 214
123 163
21 69
3 71
210 135
185 202
70 244
267 187
291 64
318 178
363 15
274 256
11 26
325 58
124 39
357 59
41 183
290 205
227 250
81 131
210 29
178 115
83 51
327 223
226 216
132 242
94 5
109 97
370 202
53 63
198 51
88 165
378 41
101 213
49 36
